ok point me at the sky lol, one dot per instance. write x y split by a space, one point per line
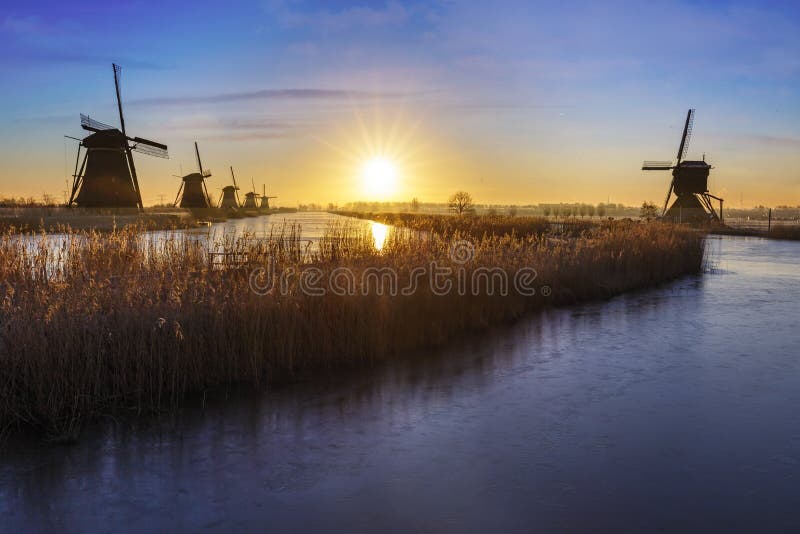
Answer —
518 102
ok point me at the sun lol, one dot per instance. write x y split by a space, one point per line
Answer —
379 177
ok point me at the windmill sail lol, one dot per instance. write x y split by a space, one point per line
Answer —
687 135
88 123
151 148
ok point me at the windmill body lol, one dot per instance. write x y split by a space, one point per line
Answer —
265 202
230 199
106 181
194 194
690 181
689 184
264 206
106 178
250 200
193 187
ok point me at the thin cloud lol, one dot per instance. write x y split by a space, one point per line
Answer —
241 125
783 141
248 136
392 14
60 56
265 94
24 26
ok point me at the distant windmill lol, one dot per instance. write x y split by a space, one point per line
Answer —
264 198
193 187
107 177
250 198
230 199
689 183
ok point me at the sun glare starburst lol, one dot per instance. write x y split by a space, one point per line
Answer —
379 177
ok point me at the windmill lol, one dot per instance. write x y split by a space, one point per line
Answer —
193 186
250 198
264 198
689 183
107 177
230 199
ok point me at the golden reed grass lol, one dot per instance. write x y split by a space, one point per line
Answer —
98 324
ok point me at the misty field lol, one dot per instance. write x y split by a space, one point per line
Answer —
112 324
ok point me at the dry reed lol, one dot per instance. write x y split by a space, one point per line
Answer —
95 324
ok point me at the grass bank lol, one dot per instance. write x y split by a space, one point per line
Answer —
477 226
54 218
98 324
785 232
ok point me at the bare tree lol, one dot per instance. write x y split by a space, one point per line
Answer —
414 204
648 210
461 202
512 211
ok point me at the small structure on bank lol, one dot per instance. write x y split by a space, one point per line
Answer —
192 192
689 183
107 176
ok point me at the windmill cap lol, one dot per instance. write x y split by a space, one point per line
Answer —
193 177
104 139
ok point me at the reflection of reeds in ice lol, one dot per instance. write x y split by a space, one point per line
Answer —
93 324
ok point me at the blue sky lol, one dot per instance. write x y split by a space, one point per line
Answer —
514 101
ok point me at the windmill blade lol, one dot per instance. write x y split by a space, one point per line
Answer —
205 173
669 194
233 176
687 135
88 123
180 188
657 166
143 141
150 150
117 75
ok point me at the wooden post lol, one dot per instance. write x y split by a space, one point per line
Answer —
769 221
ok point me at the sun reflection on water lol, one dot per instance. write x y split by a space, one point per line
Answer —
379 232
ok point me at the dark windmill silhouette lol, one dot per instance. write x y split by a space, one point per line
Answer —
193 187
107 177
689 183
250 198
230 198
264 198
